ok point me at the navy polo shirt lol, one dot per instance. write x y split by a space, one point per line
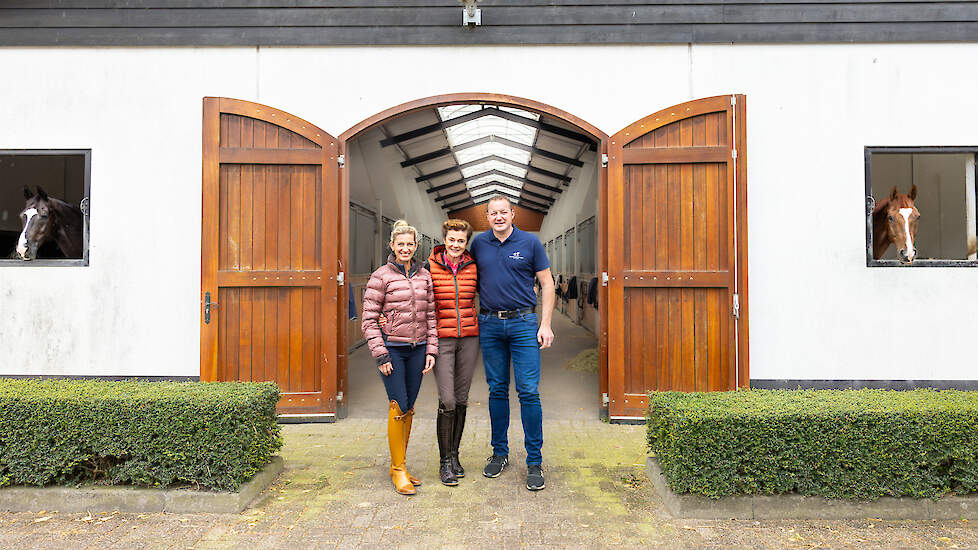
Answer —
507 269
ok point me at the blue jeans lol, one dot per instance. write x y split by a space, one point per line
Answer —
502 341
404 381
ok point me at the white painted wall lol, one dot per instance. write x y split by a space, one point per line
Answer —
816 311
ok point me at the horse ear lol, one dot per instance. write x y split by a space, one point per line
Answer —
893 193
913 192
27 192
41 194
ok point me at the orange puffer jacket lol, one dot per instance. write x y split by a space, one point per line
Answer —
454 295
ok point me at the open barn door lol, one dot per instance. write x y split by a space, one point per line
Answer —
269 261
677 254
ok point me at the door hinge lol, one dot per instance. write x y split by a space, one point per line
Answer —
340 277
604 159
604 399
736 306
339 396
341 160
733 153
733 100
604 278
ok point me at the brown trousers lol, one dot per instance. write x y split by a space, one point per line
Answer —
454 368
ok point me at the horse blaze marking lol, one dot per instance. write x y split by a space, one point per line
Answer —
905 212
22 241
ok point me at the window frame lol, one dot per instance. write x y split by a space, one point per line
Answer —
85 208
868 152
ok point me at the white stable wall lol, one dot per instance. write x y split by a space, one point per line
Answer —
816 311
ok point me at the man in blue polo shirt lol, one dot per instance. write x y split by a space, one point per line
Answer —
508 260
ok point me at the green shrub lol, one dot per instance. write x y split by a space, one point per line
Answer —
211 435
838 444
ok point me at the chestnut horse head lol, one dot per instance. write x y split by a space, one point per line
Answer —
49 219
895 221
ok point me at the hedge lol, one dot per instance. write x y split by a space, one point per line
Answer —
839 444
65 432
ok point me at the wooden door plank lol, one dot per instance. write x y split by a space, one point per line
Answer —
684 154
210 239
284 217
615 303
270 155
309 337
740 142
259 228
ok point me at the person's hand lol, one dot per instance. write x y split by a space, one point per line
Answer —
545 336
386 369
429 363
382 320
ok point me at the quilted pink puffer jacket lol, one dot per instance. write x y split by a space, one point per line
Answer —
408 303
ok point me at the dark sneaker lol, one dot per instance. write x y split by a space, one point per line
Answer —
496 465
534 477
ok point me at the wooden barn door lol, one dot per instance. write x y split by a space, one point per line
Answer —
269 253
677 300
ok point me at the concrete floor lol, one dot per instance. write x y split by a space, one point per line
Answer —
564 394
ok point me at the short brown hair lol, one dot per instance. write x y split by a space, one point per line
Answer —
456 225
499 197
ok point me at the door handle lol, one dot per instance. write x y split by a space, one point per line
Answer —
208 304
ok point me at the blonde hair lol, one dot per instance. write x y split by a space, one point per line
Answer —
401 227
456 225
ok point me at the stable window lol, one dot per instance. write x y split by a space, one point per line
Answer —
586 245
44 207
363 239
570 245
928 193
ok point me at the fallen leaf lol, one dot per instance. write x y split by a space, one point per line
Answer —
39 520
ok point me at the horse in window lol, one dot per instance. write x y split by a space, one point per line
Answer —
47 219
895 222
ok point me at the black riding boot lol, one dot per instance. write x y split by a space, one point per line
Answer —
445 426
457 438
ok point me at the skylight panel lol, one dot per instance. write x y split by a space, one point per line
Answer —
490 125
486 179
493 164
492 148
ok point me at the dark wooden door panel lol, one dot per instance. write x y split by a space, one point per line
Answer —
672 253
270 195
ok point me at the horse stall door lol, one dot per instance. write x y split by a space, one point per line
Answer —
269 253
673 259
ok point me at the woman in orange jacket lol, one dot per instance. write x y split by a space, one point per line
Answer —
454 277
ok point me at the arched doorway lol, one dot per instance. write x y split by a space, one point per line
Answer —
568 122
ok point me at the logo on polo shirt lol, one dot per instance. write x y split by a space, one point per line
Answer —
516 256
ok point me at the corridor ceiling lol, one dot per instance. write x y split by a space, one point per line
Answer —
464 154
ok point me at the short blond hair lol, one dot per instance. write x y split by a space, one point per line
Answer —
400 227
499 197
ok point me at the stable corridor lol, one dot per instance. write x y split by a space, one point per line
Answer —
565 394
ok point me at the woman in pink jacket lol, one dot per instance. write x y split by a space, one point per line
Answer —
406 347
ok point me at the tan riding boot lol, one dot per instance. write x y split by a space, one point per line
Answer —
395 439
409 421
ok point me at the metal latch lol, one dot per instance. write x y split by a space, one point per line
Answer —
341 160
604 159
340 278
733 153
736 306
604 399
339 396
604 278
208 304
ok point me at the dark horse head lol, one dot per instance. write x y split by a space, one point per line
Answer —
49 219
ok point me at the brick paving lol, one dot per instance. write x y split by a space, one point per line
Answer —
335 492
